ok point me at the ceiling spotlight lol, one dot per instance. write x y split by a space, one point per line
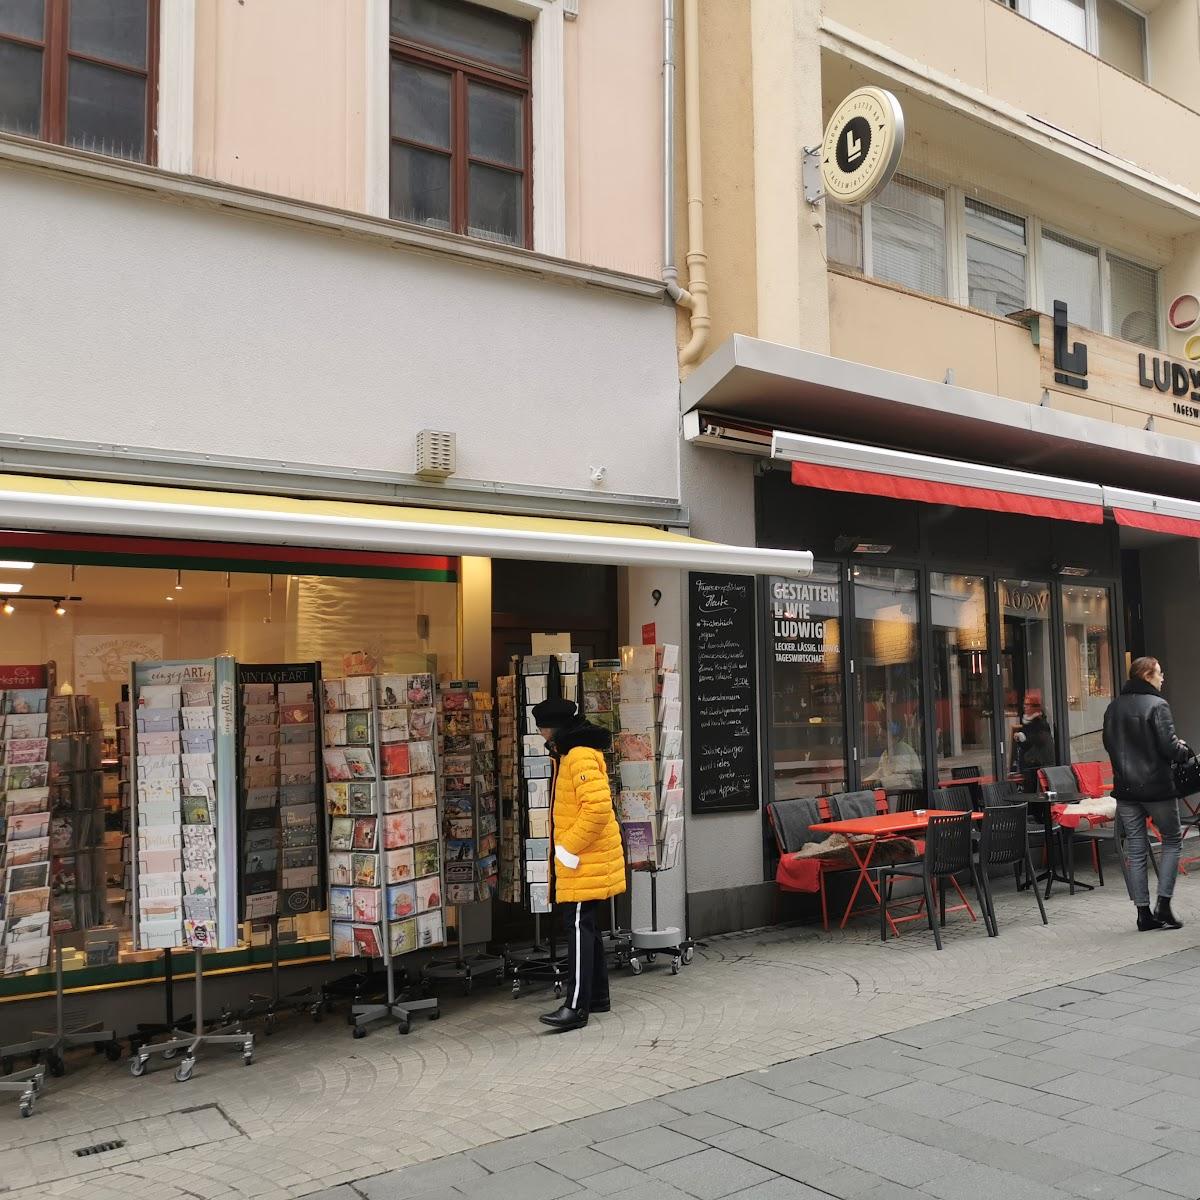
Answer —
10 589
169 599
179 581
60 609
8 608
8 565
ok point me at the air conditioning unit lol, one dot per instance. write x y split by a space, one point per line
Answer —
436 455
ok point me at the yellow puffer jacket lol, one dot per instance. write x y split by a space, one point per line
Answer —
585 826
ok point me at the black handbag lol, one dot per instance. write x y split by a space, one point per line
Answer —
1187 776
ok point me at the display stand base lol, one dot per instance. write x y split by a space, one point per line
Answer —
400 1011
230 1034
649 943
50 1045
26 1085
463 967
269 1006
535 964
358 987
169 1027
618 942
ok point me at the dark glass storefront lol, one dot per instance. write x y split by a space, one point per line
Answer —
931 644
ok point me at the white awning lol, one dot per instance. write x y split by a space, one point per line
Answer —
86 506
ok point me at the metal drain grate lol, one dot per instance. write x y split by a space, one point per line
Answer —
98 1148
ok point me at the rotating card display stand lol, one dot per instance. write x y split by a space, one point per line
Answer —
185 883
50 1044
169 1026
381 774
272 1004
231 1034
539 677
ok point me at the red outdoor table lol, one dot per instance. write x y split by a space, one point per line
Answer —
879 829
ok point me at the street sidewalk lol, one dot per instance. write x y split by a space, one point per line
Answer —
319 1109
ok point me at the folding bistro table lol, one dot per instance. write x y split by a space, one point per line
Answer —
871 831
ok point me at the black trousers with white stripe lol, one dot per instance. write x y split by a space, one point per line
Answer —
587 968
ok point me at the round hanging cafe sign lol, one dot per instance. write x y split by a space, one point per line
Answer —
863 143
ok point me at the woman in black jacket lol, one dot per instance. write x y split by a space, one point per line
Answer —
1139 735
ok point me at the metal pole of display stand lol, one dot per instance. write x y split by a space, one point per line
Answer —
653 941
52 1043
618 942
397 1010
463 967
230 1034
277 1002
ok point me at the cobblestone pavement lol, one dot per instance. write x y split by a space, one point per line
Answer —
848 1068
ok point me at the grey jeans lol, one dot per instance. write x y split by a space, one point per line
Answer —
1165 815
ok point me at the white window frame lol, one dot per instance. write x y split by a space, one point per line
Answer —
962 286
1092 28
1106 285
549 115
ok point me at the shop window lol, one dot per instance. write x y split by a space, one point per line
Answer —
460 119
962 679
1088 638
996 259
888 678
808 720
899 237
80 74
1027 675
91 622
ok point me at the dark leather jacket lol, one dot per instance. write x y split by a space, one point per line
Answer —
1139 735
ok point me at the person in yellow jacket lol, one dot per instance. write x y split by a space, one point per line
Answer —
589 863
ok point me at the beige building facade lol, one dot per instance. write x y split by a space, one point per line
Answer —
913 339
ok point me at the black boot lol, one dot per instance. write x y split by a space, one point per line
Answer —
565 1018
1165 916
1146 919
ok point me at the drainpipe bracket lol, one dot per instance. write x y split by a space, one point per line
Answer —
810 173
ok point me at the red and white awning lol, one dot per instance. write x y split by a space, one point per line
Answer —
1158 514
899 475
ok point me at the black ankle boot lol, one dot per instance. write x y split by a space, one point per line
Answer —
1146 919
565 1018
1165 916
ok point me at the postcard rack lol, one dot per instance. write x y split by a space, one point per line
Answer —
650 942
541 960
270 1005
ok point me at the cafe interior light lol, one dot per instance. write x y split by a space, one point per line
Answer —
7 564
10 589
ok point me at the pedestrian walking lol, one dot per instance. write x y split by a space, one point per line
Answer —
589 865
1140 737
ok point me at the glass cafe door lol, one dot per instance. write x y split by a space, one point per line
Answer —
1027 675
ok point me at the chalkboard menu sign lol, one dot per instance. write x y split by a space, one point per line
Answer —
723 693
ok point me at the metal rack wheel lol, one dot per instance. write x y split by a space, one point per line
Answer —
635 965
112 1050
183 1072
137 1066
26 1105
689 953
676 963
170 1054
359 1031
403 1028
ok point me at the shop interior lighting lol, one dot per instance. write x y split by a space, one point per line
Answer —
60 609
8 565
10 589
872 548
9 609
179 581
1074 572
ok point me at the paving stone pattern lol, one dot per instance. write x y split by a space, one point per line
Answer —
1049 1062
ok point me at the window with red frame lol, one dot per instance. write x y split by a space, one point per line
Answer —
460 120
80 73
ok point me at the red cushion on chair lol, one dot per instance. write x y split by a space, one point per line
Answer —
1090 777
795 874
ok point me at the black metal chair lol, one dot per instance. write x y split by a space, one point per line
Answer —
908 800
1004 842
1003 792
965 772
958 798
949 851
